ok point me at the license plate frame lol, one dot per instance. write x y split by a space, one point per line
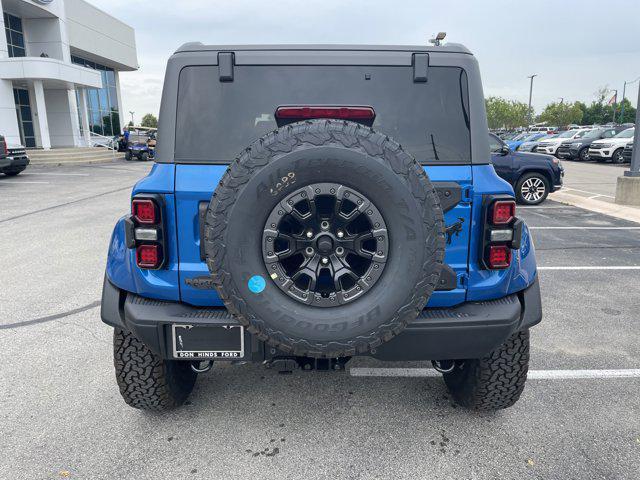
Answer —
222 338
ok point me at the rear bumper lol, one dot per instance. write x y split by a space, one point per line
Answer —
470 330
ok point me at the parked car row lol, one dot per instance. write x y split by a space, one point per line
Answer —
599 143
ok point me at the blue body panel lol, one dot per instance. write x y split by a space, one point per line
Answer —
185 186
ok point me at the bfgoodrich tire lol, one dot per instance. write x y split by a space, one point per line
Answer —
324 157
495 381
146 381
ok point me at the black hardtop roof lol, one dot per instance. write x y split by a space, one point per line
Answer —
447 48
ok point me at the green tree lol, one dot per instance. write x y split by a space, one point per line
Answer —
130 124
503 113
561 113
149 120
629 112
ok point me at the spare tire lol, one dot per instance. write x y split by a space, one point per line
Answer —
324 238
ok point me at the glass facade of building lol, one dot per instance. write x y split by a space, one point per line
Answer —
15 35
102 103
25 120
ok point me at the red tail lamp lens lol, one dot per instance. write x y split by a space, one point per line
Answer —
342 113
149 256
499 256
503 212
144 210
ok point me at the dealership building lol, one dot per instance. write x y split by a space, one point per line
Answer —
60 64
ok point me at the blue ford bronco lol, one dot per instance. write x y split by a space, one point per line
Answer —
311 203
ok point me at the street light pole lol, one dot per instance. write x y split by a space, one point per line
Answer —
615 97
132 122
628 185
634 168
530 94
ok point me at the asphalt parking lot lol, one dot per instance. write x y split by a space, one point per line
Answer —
61 414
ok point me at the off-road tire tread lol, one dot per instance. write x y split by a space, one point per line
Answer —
145 380
495 381
323 133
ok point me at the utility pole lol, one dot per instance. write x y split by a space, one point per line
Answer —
615 100
628 186
132 122
624 88
530 94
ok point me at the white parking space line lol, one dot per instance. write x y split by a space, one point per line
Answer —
56 174
594 267
590 193
21 182
533 374
546 207
584 228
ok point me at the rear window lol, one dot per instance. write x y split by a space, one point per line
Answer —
217 120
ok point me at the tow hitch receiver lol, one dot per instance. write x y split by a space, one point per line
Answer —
286 365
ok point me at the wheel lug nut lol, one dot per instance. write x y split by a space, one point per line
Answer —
325 260
308 251
309 234
340 234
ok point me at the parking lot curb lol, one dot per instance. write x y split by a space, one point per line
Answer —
75 162
624 212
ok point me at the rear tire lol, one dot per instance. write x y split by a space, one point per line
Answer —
532 189
495 381
146 381
144 156
127 156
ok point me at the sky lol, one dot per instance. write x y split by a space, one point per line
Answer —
574 46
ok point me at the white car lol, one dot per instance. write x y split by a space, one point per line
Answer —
550 145
611 148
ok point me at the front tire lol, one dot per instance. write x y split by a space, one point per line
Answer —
584 154
13 171
495 381
127 156
144 156
617 157
532 189
146 381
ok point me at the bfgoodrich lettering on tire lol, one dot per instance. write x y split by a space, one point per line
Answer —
359 216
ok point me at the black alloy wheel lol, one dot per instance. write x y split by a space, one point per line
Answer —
325 244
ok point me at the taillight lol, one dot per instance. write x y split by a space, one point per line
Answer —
502 212
149 256
499 256
145 231
144 210
341 113
502 232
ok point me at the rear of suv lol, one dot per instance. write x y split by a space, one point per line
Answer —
310 204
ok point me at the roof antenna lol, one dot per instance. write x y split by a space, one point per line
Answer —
439 37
